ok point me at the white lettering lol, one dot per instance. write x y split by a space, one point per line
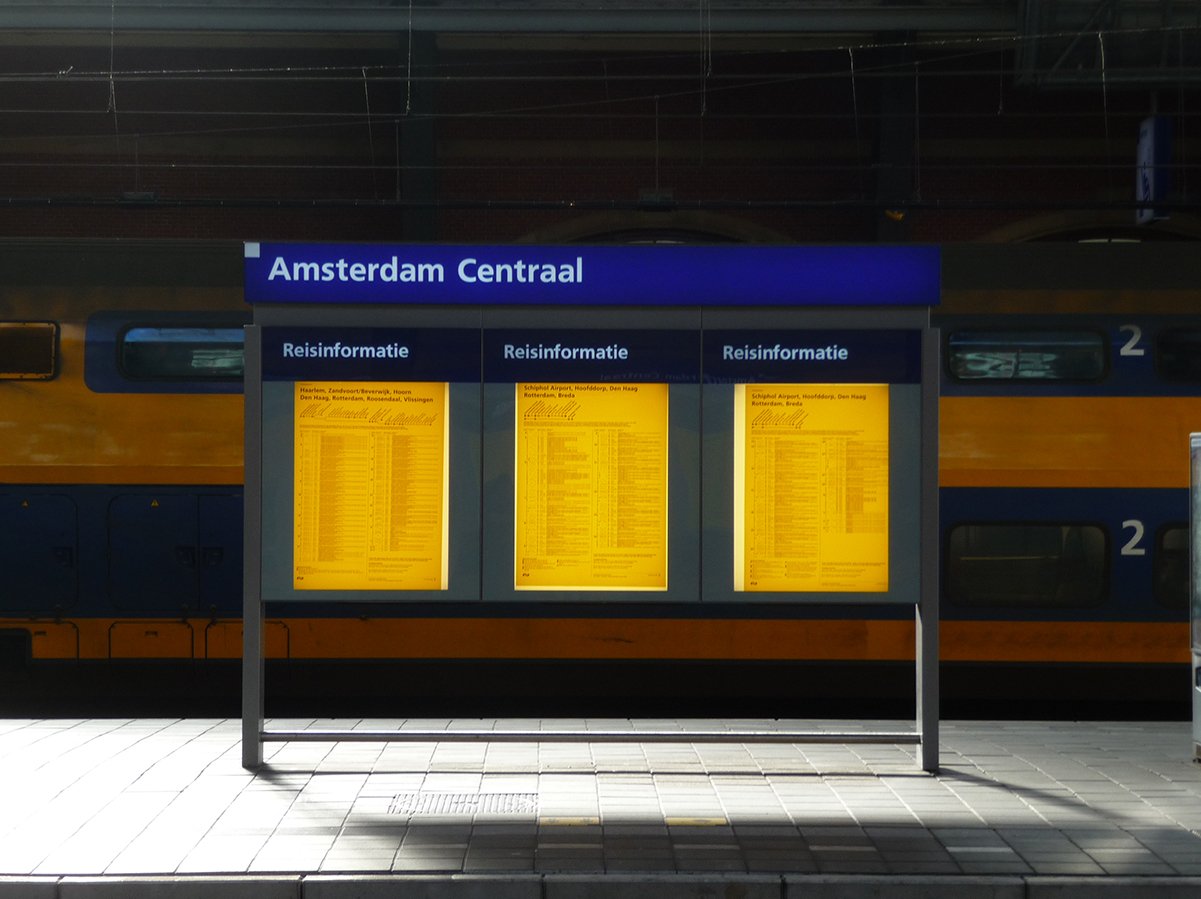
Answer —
307 268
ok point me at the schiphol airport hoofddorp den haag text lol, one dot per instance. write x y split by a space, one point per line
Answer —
591 486
811 488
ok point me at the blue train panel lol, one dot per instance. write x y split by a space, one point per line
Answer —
1134 523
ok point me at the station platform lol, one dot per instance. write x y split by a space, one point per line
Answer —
163 808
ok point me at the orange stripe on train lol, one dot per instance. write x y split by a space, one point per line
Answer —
1066 441
632 639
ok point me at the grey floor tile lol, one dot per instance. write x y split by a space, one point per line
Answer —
1014 797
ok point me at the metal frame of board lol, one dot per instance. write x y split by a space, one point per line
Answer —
926 733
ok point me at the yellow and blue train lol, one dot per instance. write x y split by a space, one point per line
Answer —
1063 469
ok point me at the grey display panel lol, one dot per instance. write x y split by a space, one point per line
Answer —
904 503
278 505
481 502
481 457
684 507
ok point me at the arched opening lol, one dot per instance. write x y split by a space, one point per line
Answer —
1115 226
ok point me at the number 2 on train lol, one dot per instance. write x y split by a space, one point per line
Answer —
1132 548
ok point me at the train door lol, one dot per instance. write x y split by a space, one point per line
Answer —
153 554
221 556
38 555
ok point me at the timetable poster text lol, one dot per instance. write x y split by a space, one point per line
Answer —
811 488
591 486
371 485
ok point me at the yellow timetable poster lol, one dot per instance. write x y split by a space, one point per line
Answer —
591 487
371 486
811 488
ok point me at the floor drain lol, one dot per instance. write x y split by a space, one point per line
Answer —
409 804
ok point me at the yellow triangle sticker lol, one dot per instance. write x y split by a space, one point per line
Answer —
154 502
25 503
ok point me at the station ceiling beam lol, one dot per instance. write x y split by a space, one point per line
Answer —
513 17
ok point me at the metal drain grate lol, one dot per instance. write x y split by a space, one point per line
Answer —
409 804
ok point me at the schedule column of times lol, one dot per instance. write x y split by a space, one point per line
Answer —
591 487
811 488
371 486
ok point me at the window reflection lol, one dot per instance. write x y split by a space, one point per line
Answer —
1026 355
182 353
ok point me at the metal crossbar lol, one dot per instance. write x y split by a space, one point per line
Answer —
578 736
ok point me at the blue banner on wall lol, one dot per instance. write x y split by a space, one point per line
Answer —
902 275
813 357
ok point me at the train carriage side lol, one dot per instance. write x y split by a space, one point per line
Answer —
1064 472
1063 491
121 467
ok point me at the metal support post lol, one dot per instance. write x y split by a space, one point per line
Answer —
252 599
927 609
1195 585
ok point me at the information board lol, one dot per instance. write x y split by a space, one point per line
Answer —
372 485
811 487
372 463
591 486
591 454
811 451
463 429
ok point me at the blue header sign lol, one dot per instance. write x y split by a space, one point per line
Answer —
592 355
900 275
371 354
813 357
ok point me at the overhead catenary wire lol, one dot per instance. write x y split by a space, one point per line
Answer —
617 108
898 71
855 114
370 134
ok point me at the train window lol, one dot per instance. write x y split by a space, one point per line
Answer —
1178 355
1028 565
1026 355
27 349
1169 566
181 353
